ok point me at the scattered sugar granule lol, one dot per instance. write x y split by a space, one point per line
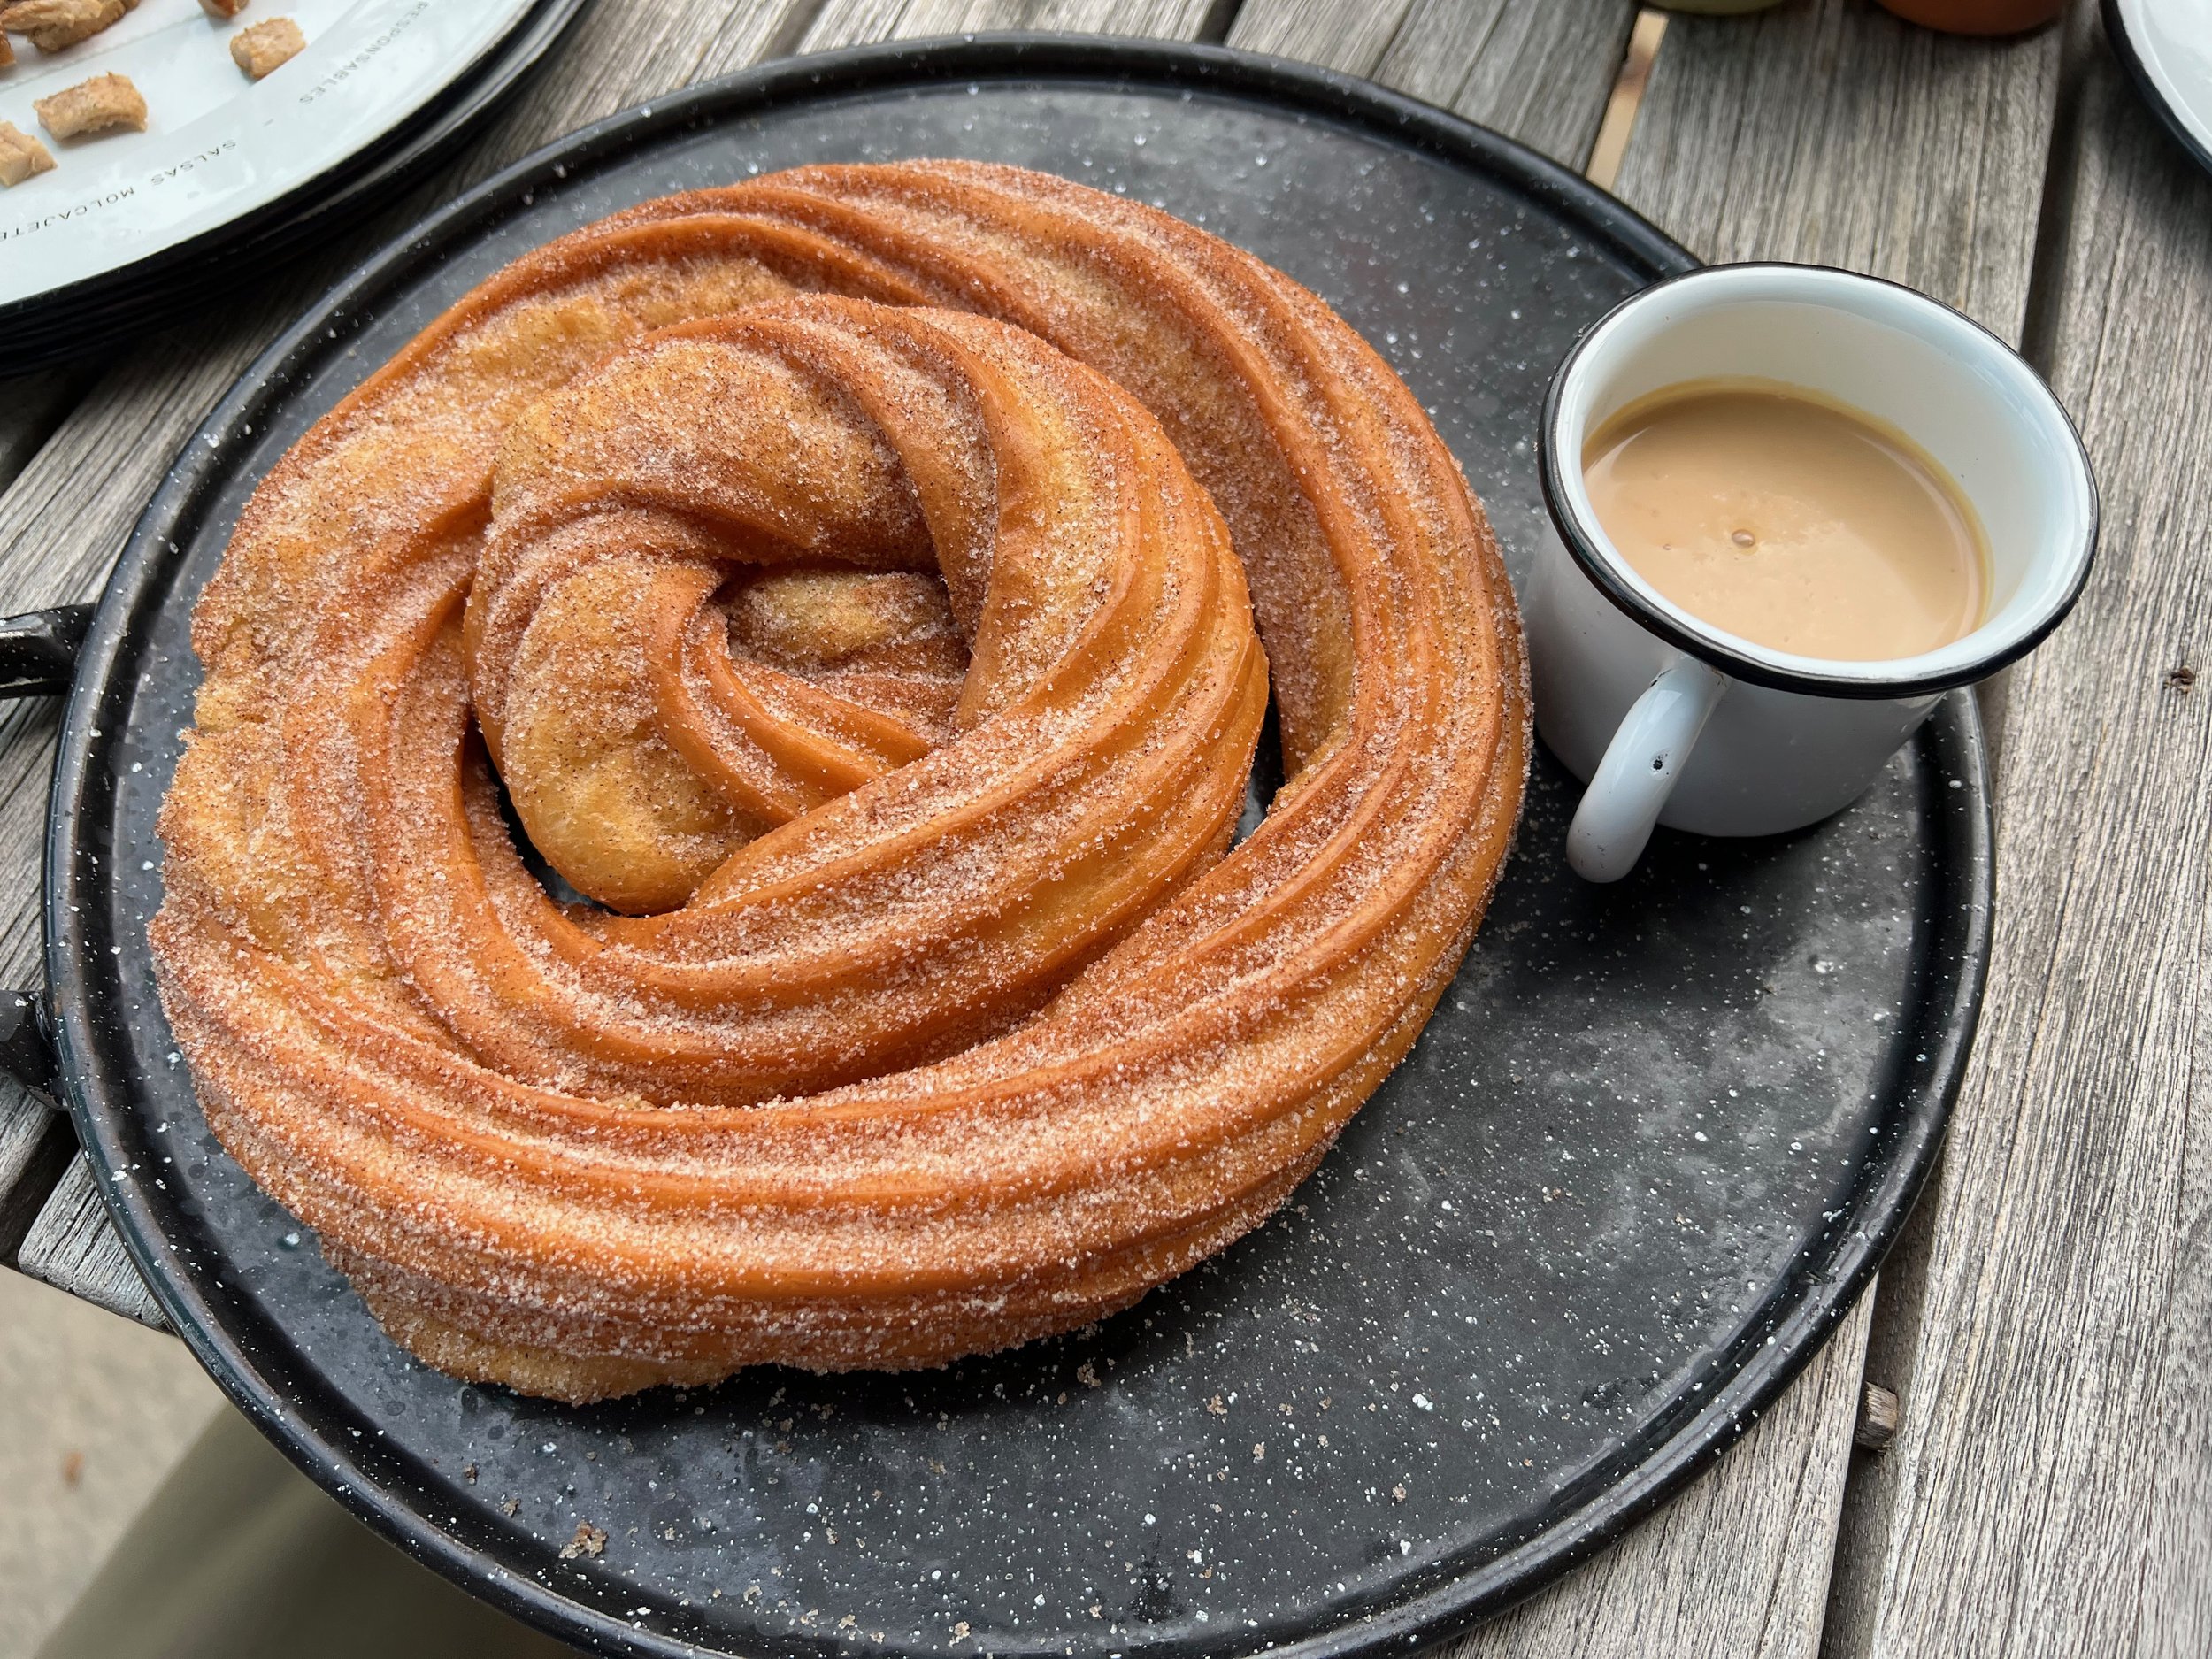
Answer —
21 156
590 1540
222 8
266 45
96 105
55 24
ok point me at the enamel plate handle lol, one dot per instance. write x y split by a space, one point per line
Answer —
1631 786
38 650
38 658
26 1048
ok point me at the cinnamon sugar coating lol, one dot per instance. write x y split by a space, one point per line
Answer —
857 580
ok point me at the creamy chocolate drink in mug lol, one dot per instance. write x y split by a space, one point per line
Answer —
1794 506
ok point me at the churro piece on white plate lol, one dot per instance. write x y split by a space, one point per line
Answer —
55 24
266 45
98 105
21 156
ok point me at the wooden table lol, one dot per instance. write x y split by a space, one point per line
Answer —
2047 1320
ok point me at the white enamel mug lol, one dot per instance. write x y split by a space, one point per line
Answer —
1671 721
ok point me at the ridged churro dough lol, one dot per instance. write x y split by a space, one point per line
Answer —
848 582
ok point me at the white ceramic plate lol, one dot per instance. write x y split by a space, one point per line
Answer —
2167 47
218 145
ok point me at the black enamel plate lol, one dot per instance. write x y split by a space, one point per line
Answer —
1651 1145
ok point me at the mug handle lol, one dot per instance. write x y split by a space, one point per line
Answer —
1633 782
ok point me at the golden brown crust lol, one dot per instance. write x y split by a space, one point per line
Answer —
933 1032
261 49
54 25
101 104
21 156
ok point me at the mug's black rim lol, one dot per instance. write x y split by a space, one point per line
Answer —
2115 30
1602 566
75 950
47 327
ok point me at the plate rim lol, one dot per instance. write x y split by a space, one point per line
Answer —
139 586
2197 147
38 329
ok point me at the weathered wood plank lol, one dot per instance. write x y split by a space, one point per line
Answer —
35 1146
2049 1489
74 1247
1535 70
1835 133
856 22
1347 34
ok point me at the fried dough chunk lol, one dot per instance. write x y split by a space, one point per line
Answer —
21 156
53 24
266 46
98 105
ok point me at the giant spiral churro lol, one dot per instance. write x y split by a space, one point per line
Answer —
849 580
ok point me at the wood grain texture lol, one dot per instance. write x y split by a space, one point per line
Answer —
1830 132
2049 1490
856 22
1736 1566
1535 70
36 1144
75 1248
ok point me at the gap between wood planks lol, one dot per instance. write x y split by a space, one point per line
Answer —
1221 16
1627 97
2039 319
782 43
